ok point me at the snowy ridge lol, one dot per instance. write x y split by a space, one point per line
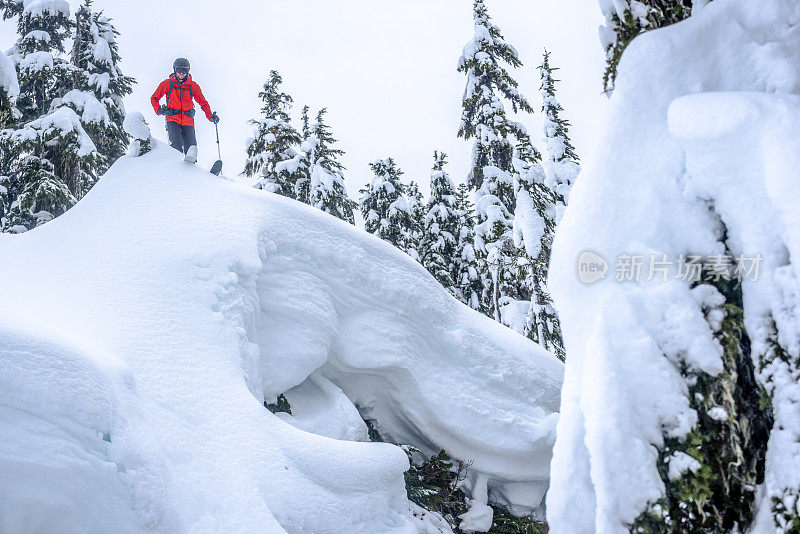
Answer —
167 304
702 133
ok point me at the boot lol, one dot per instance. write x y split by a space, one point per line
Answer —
191 154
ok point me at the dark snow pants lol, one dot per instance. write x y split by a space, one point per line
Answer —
181 137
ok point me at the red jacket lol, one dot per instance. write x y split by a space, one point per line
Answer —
180 99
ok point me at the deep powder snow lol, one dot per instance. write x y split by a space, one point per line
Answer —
145 327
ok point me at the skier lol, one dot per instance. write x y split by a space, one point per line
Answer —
180 89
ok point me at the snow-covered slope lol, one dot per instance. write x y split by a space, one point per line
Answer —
141 331
703 134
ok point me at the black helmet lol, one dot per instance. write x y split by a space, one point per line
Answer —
181 63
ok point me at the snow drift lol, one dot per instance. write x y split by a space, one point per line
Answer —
141 331
702 145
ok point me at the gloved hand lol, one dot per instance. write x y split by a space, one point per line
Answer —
214 118
162 110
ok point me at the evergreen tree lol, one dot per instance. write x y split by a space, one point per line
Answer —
304 121
40 195
625 19
100 87
484 119
302 161
534 226
43 73
561 163
438 246
384 206
416 206
272 149
326 189
9 90
48 151
468 284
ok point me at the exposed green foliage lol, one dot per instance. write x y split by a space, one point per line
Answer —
374 435
281 405
640 17
506 523
789 520
434 484
39 194
728 442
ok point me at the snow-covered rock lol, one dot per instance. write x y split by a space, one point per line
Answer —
704 115
143 329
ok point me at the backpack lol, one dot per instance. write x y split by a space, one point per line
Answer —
171 111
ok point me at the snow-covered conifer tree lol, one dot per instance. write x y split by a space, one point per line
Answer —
416 206
484 118
48 148
9 90
301 163
43 73
438 245
384 206
306 128
100 87
468 284
561 162
39 195
326 189
274 141
534 227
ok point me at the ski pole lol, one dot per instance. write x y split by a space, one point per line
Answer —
216 127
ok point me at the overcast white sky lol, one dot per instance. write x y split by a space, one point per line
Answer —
386 70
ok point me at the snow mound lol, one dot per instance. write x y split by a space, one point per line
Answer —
703 132
153 319
136 126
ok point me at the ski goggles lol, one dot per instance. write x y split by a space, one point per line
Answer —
181 70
